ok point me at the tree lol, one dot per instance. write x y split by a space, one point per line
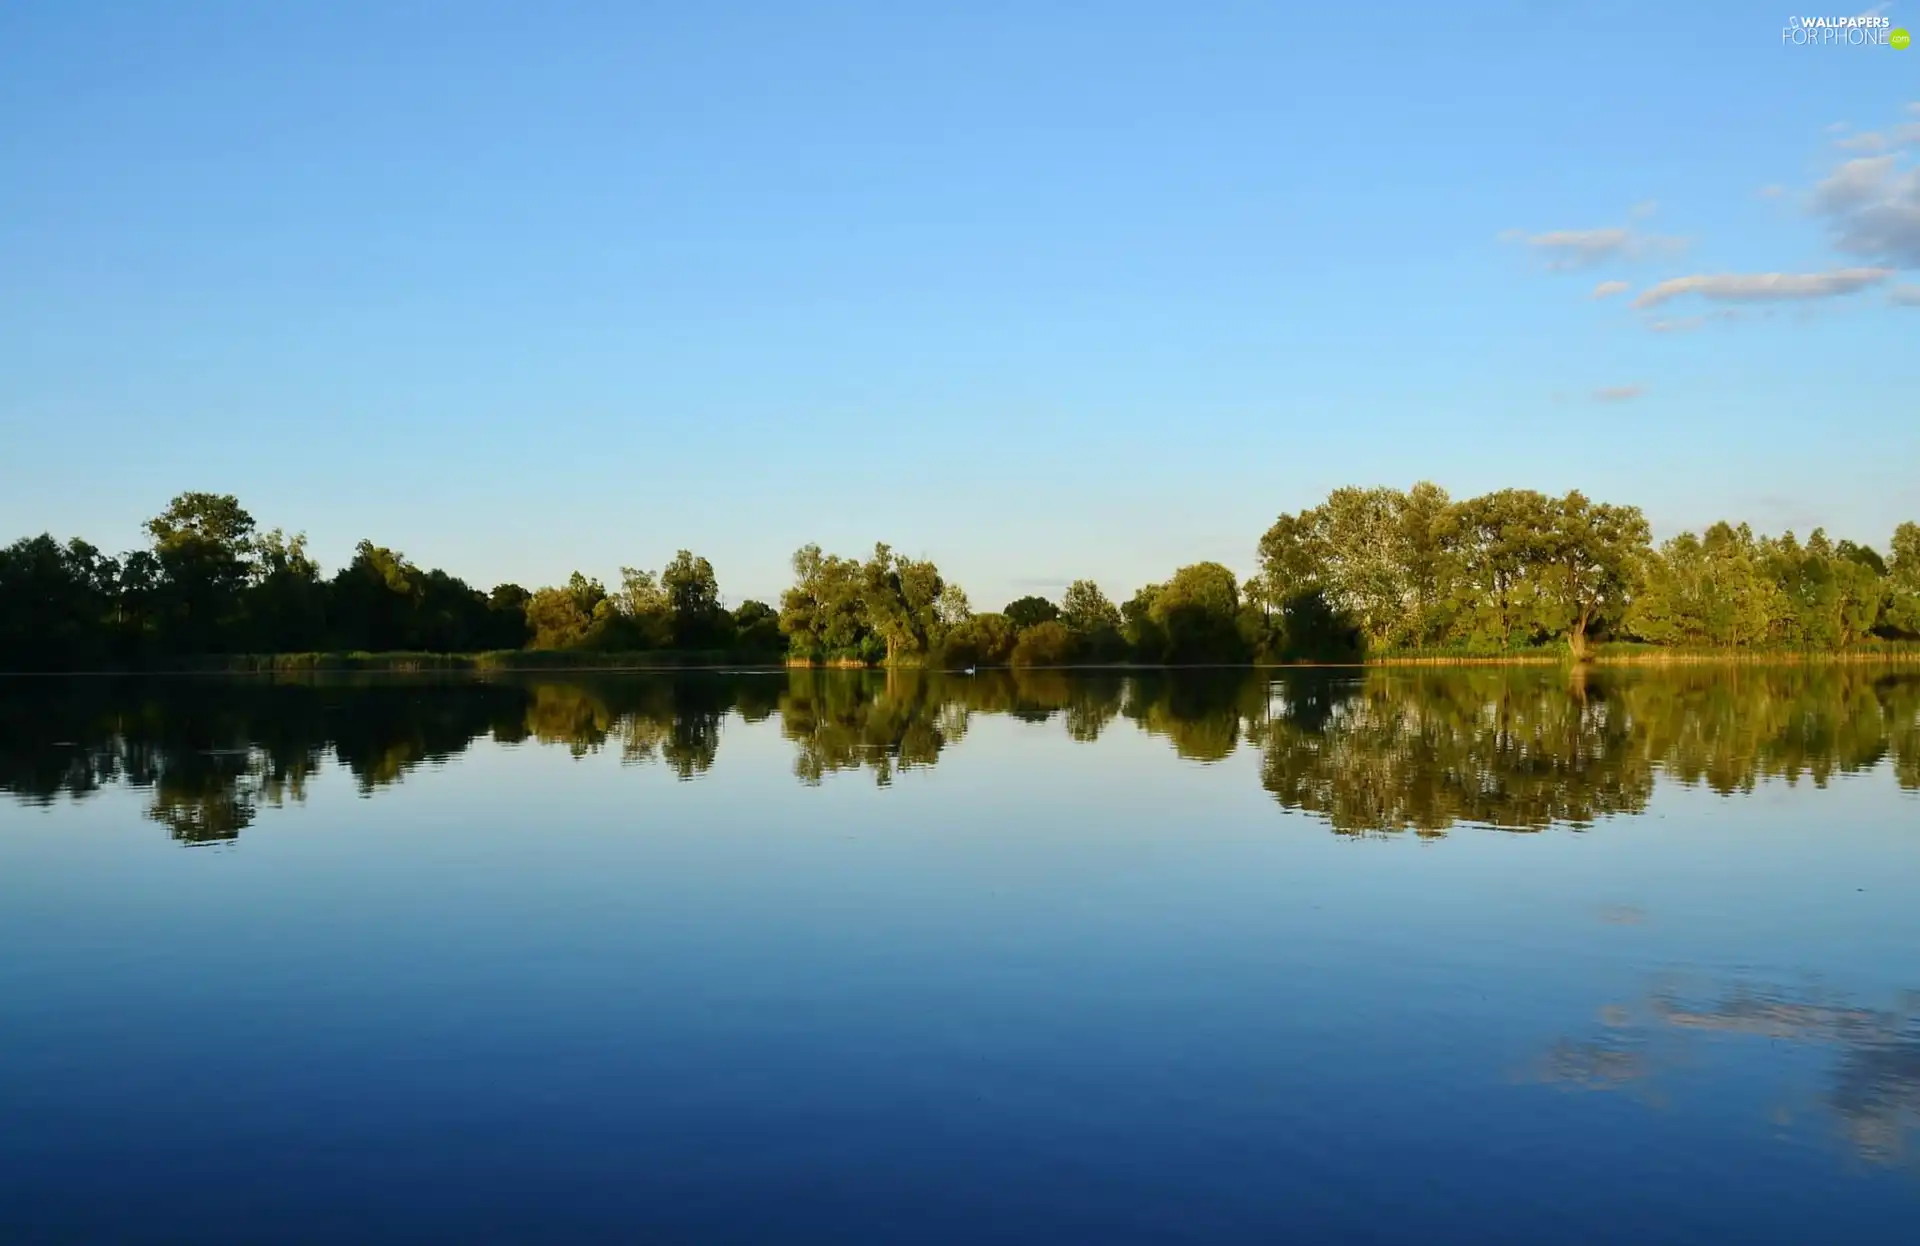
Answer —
286 607
1094 621
507 617
1085 609
902 598
375 600
1498 539
1902 612
982 640
1591 558
756 628
821 613
204 545
1706 591
1141 627
1029 611
54 604
693 602
1048 643
556 619
1198 613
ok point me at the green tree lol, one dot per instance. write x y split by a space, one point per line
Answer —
1094 621
903 602
756 628
1500 540
556 619
693 601
1141 627
981 640
1198 613
375 600
1029 611
823 614
1902 612
1591 558
1050 643
286 607
204 545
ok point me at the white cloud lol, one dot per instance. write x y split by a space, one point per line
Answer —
1872 206
1906 134
1762 287
1618 393
1583 248
1576 248
1853 184
1905 296
1607 289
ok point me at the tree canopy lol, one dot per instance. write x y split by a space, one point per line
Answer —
1368 571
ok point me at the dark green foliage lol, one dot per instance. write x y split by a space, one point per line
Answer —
1030 612
756 629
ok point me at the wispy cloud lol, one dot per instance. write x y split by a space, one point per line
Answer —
1618 393
1583 248
1906 134
1607 289
1762 287
1905 296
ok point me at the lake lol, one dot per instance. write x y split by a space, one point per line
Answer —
1476 955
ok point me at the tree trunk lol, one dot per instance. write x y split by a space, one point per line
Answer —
1577 639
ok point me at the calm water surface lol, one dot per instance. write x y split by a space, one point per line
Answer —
1464 956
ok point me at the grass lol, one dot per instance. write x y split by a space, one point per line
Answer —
1630 653
492 660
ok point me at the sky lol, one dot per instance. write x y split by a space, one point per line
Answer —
1038 291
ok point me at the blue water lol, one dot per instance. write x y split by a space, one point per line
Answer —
1033 989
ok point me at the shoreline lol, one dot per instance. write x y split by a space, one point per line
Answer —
487 664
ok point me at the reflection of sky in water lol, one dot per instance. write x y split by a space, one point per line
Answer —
1869 1092
942 969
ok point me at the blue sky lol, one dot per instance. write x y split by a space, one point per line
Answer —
1039 291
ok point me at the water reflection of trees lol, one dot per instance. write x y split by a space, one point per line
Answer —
1368 752
1870 1092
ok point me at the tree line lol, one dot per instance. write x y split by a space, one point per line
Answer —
210 582
1399 750
1368 571
1380 570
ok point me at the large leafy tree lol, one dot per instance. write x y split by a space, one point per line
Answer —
204 545
1902 612
286 606
1591 558
1030 611
693 602
1197 613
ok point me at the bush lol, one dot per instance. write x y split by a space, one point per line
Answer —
1045 644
